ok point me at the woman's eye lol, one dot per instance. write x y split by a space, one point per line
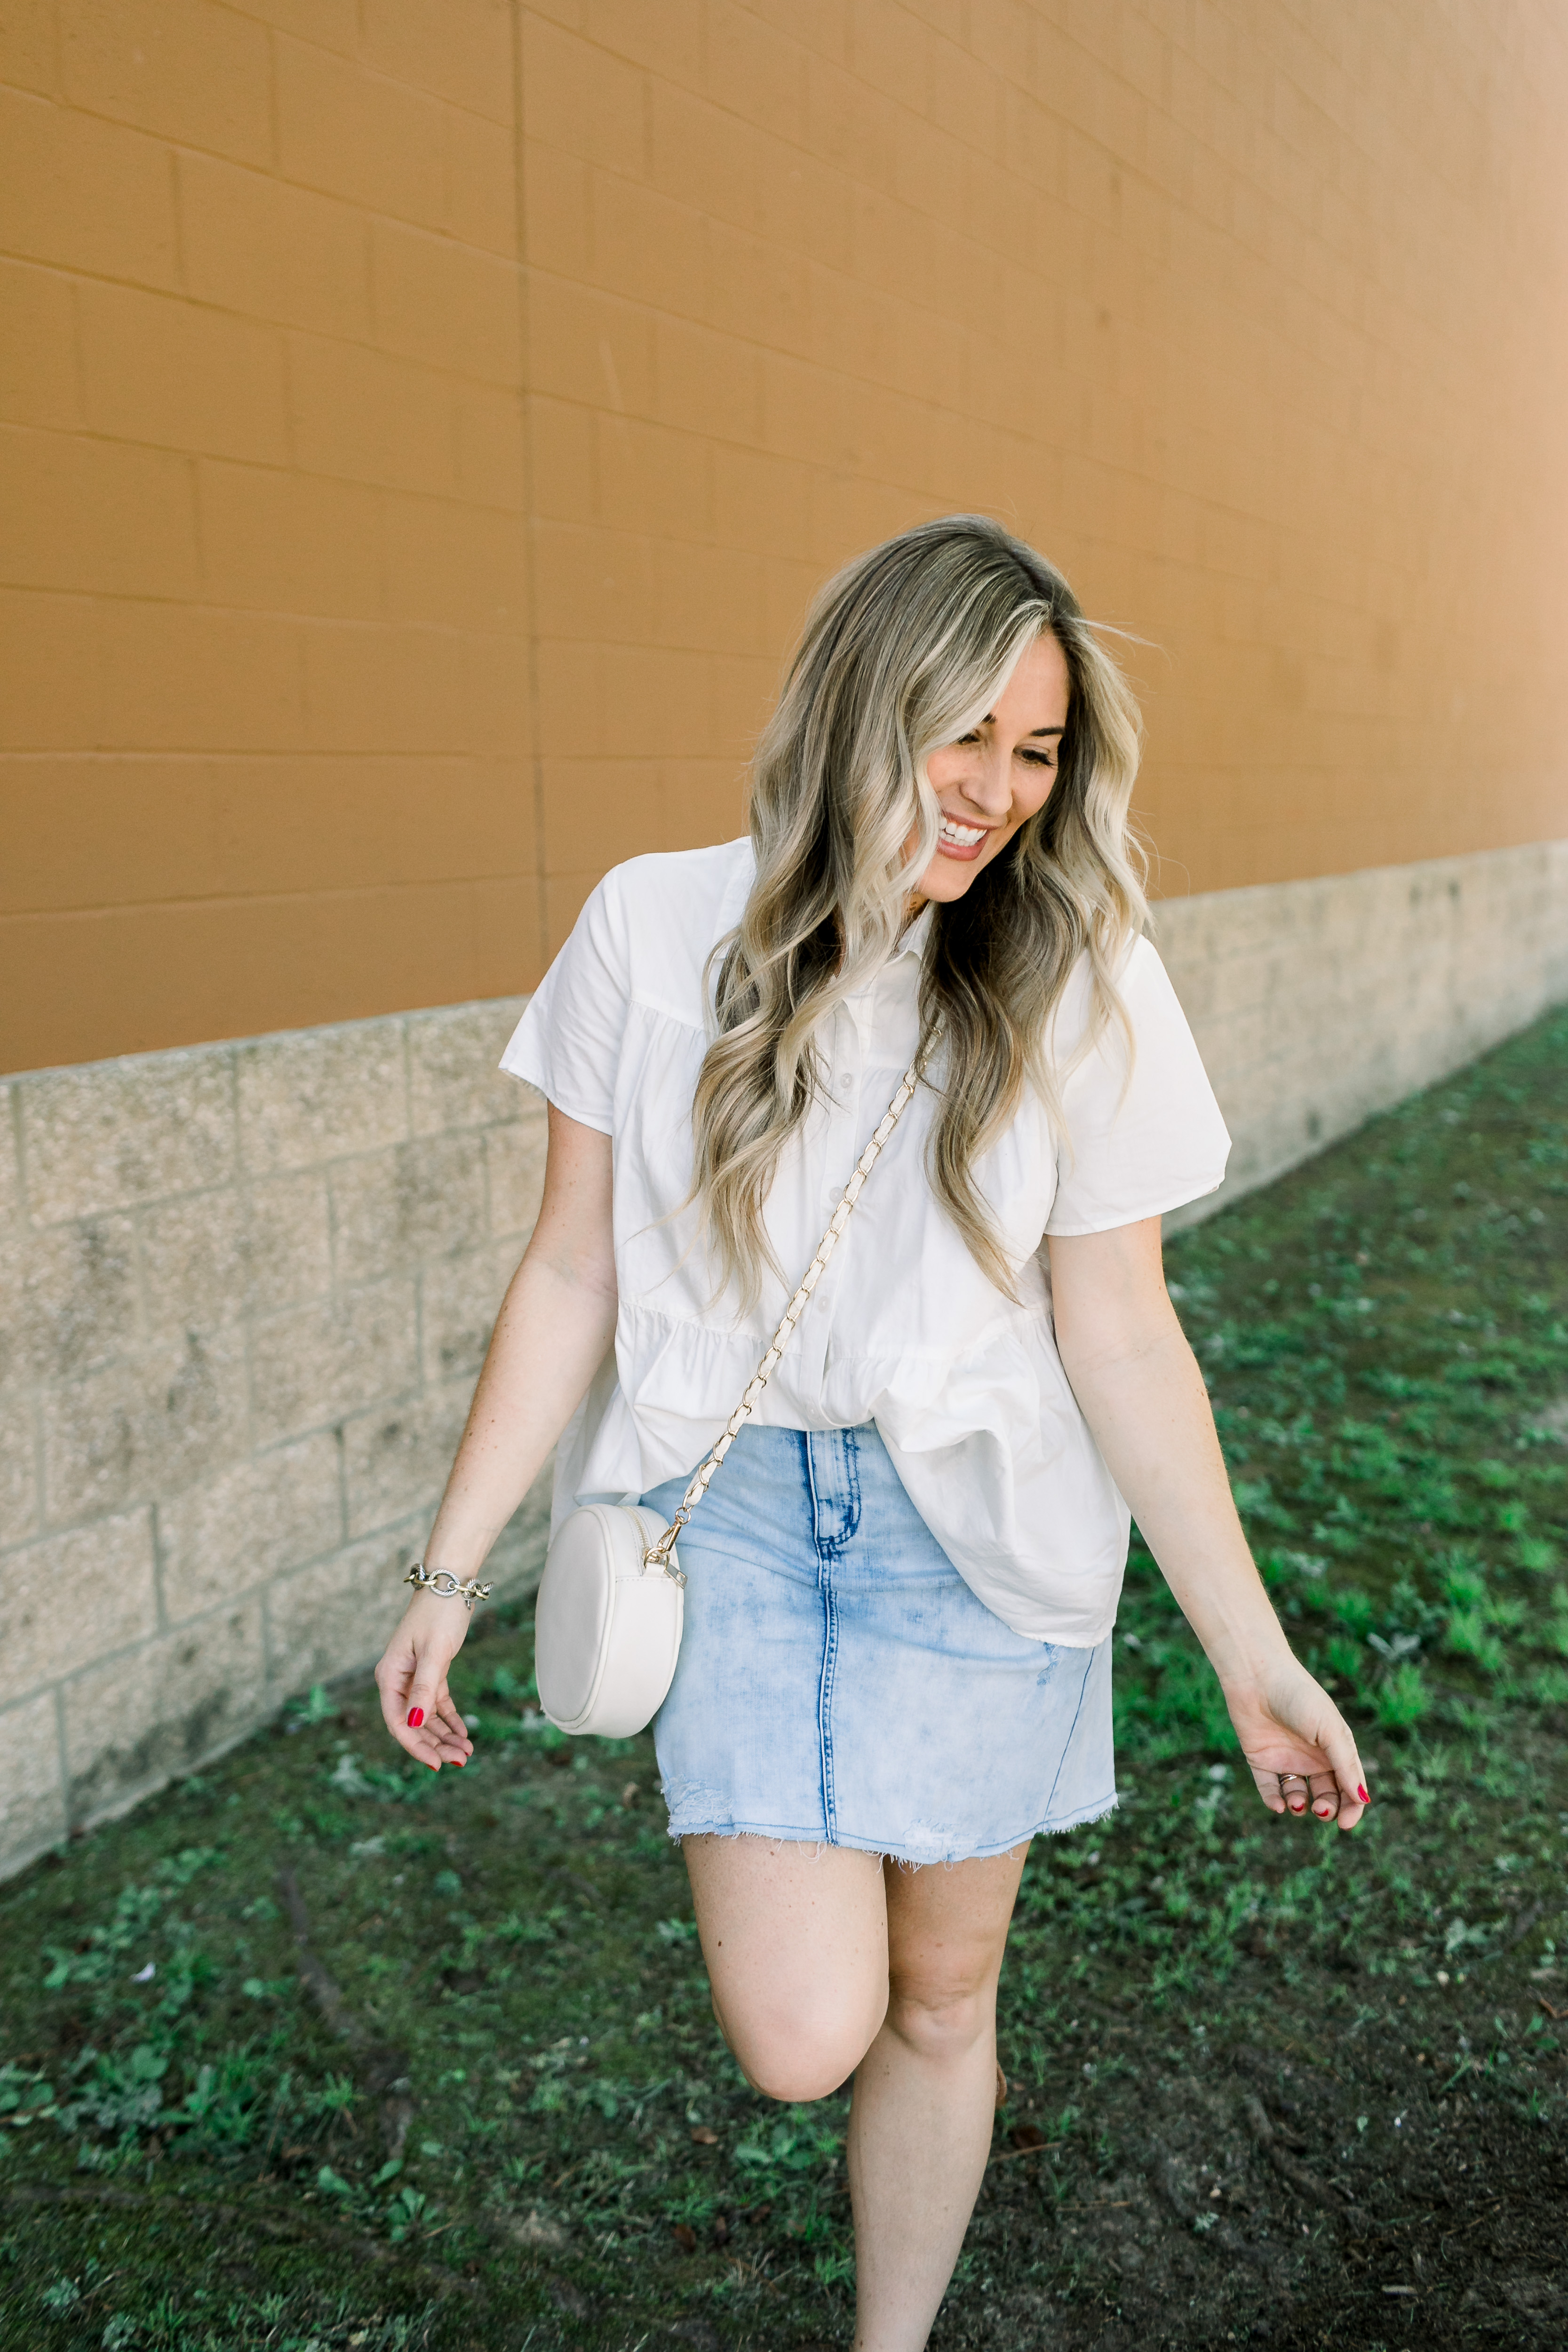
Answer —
1039 758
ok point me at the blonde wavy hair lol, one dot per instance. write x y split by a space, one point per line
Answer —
904 651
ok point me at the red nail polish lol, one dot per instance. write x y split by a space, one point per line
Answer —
416 1718
1363 1795
459 1761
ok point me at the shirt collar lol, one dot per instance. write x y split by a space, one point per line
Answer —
914 939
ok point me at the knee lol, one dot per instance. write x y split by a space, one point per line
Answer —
941 2022
795 2052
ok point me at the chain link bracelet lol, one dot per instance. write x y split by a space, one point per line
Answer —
446 1586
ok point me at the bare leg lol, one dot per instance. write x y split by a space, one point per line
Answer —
926 2092
824 1962
795 1940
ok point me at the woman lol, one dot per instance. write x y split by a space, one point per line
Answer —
902 1586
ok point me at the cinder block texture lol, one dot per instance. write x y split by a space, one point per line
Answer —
139 1130
244 1292
275 1511
32 1792
321 1616
1317 1004
102 1574
132 1722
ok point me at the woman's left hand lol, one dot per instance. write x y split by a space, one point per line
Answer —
1301 1750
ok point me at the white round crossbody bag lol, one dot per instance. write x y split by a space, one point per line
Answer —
608 1617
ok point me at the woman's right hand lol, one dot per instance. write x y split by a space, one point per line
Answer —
415 1703
556 1321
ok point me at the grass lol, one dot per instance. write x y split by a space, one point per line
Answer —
317 2050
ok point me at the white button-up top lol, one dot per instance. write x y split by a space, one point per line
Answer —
966 1388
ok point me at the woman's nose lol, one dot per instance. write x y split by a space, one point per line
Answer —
988 786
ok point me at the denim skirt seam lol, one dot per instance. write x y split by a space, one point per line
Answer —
1088 1664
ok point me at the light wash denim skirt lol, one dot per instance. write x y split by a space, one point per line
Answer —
839 1684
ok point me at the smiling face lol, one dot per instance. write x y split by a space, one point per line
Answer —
995 778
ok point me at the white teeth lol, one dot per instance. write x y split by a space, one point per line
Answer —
962 837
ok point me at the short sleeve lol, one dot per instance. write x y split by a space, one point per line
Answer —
568 1043
1138 1141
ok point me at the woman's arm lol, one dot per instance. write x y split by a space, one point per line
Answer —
556 1321
1143 1397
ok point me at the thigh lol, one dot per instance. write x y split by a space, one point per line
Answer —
947 1925
796 1939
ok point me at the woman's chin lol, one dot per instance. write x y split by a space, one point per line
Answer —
949 878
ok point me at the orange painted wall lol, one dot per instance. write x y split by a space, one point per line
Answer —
422 422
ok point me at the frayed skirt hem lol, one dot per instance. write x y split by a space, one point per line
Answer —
778 1834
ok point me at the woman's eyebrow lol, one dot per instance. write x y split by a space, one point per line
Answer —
1045 730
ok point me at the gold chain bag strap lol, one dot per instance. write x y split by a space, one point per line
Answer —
608 1622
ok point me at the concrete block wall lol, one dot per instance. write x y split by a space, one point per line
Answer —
1315 1003
244 1292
